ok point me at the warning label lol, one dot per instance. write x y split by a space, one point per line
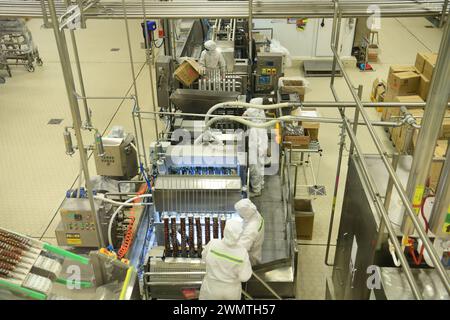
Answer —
73 238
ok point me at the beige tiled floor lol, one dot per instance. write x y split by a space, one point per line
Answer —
35 172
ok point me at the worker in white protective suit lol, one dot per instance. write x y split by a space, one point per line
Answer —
211 58
227 265
207 137
258 143
252 236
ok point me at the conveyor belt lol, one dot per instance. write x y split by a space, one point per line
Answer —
270 206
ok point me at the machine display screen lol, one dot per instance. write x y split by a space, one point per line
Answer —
269 63
264 80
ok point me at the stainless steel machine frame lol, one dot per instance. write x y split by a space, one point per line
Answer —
50 11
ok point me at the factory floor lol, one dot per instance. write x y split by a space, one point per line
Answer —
35 171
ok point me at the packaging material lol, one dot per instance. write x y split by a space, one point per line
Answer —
429 64
421 57
275 46
311 127
424 87
299 141
188 71
304 218
378 92
297 85
398 69
372 53
436 166
404 83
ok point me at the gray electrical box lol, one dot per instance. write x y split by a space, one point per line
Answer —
120 158
77 227
164 71
269 67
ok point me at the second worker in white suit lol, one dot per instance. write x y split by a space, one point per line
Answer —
252 236
227 265
258 143
211 58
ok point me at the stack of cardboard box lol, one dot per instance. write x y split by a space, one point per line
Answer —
411 84
425 63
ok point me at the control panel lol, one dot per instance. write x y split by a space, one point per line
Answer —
77 227
269 67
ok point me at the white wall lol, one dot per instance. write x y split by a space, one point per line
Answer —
313 41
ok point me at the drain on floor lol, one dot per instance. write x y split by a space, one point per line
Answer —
115 49
55 121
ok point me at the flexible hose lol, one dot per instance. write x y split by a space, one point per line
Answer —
267 123
250 105
125 204
128 238
118 210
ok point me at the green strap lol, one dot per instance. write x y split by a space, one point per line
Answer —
227 257
67 254
27 292
83 284
261 224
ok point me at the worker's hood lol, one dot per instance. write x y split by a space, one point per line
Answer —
210 45
232 232
257 101
245 208
255 115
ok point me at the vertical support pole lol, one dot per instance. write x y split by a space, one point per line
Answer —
150 55
75 111
440 214
444 13
133 74
250 31
387 201
356 119
334 42
431 125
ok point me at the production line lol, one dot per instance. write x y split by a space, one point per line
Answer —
232 124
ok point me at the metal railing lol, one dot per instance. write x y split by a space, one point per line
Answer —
392 174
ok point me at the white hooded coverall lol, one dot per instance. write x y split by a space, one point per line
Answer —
258 143
212 58
252 236
207 137
227 265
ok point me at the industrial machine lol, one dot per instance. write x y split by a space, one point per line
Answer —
269 67
119 159
193 195
77 227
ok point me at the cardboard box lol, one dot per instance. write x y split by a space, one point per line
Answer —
188 71
293 86
429 64
424 87
404 83
421 57
299 142
311 127
436 165
304 218
398 69
372 53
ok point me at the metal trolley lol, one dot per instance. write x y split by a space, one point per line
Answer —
17 46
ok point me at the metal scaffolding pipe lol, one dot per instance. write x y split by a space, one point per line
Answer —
431 126
398 185
75 111
440 214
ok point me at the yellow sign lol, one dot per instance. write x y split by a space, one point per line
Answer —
73 238
446 227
